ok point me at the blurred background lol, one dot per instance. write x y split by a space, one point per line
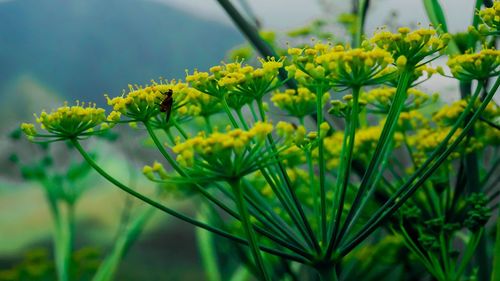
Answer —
53 51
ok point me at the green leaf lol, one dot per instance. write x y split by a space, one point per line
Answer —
436 14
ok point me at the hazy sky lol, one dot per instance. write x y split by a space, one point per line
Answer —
286 14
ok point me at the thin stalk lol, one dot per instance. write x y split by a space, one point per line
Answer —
380 151
228 112
362 9
327 273
179 128
247 226
321 163
345 169
206 247
471 165
424 172
208 124
313 187
242 119
64 244
176 214
252 34
209 196
286 179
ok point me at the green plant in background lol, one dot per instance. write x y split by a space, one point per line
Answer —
64 186
309 191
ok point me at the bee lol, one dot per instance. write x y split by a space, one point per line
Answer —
166 104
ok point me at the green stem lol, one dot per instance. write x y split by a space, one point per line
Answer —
253 36
327 273
64 243
127 237
175 213
205 193
380 151
425 171
345 169
305 225
208 124
206 247
321 163
247 226
362 8
228 112
242 119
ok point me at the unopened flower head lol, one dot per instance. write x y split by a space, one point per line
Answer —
410 47
478 66
298 103
68 122
230 154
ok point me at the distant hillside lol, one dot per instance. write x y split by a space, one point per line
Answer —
83 48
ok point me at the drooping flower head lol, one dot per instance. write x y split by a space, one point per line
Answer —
68 122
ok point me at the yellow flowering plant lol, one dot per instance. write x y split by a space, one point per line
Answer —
313 188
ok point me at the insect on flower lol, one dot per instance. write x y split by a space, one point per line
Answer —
166 104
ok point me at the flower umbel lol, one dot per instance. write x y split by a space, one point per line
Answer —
478 66
224 155
410 47
68 122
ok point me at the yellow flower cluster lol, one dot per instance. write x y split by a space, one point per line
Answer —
298 103
490 18
364 144
237 78
291 133
196 103
381 99
339 66
478 66
141 103
68 121
220 150
411 120
425 140
448 113
410 47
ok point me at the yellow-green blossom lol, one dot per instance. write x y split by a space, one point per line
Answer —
230 154
380 99
142 103
238 78
410 47
426 140
328 66
298 103
68 122
490 18
478 66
